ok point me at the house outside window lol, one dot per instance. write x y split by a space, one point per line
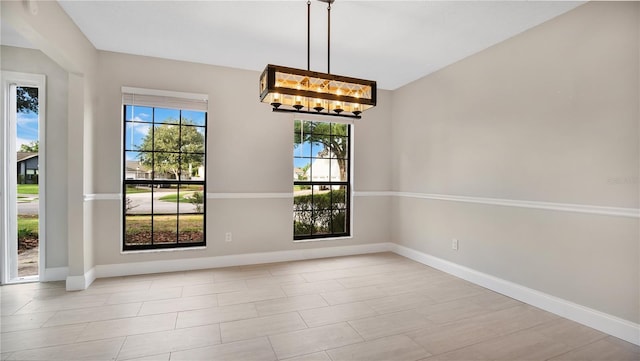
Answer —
322 183
164 160
27 167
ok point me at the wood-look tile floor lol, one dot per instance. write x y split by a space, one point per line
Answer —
367 307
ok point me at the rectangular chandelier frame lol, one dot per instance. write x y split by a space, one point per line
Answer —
296 90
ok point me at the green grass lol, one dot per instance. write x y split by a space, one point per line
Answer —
133 189
28 189
191 187
28 225
173 197
191 222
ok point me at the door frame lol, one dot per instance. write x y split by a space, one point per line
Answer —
8 174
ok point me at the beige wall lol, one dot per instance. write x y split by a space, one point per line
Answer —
35 62
549 115
250 150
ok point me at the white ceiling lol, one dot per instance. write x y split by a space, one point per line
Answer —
392 42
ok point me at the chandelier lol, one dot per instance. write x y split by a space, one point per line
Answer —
305 91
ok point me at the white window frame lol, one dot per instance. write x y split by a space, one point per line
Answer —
8 210
160 99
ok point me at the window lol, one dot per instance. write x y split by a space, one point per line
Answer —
22 185
321 180
164 159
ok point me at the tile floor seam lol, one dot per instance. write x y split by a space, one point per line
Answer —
283 292
54 345
501 335
80 333
181 350
356 331
398 334
124 340
389 335
271 273
446 323
157 354
271 334
302 318
560 354
139 309
64 344
175 322
134 334
99 320
571 349
490 312
42 325
555 317
575 348
178 350
453 349
20 308
324 299
272 349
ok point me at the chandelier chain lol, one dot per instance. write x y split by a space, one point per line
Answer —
309 35
329 38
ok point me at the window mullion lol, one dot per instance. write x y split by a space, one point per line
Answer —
153 174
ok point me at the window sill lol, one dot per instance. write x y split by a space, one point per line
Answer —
179 249
321 239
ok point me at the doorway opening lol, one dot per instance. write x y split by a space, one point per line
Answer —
23 178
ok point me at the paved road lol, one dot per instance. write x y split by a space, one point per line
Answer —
140 201
142 204
29 208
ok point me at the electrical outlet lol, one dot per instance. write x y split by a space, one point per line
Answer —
227 237
454 244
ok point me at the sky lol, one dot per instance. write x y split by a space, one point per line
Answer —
302 153
26 128
140 120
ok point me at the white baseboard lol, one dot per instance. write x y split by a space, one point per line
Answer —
79 283
601 321
136 268
54 274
